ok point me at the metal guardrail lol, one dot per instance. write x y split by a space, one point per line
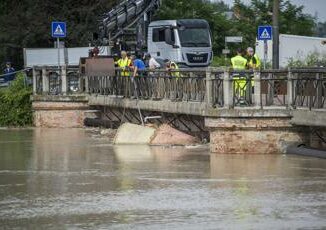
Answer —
56 81
155 85
291 88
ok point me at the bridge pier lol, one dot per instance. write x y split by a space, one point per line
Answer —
253 135
61 111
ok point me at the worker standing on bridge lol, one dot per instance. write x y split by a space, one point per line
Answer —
139 82
253 60
239 63
124 63
171 68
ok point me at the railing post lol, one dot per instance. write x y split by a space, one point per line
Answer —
270 89
319 91
209 88
45 81
290 89
35 77
64 80
227 90
257 89
86 83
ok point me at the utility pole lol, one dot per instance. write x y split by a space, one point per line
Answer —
276 11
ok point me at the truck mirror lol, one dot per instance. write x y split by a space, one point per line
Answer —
168 36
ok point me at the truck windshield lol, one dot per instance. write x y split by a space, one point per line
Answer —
198 37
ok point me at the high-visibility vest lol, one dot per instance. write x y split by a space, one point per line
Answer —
174 66
239 62
254 62
123 63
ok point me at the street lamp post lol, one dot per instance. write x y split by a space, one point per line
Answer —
276 9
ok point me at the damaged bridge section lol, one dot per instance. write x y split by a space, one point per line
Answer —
238 112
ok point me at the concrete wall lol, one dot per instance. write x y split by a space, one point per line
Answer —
253 135
60 111
59 114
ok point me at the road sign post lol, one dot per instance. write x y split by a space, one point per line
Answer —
264 34
58 30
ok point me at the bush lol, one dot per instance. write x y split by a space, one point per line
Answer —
311 60
220 61
15 103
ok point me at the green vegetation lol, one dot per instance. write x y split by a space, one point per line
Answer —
15 104
27 24
220 61
311 60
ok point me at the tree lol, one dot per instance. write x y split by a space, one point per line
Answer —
259 12
26 23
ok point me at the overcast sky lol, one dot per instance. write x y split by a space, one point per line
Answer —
310 6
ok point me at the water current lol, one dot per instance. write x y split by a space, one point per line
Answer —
76 179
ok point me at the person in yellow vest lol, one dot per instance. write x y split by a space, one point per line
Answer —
239 63
170 65
171 68
124 63
253 59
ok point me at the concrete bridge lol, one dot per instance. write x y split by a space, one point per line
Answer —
260 111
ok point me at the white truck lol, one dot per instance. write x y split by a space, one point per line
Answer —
185 41
293 47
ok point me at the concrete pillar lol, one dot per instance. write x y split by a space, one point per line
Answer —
257 89
253 135
45 81
227 90
209 88
81 83
86 84
270 90
35 77
319 92
64 80
290 89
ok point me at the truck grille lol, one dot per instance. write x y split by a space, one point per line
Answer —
197 58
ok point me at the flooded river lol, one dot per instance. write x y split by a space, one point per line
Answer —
73 179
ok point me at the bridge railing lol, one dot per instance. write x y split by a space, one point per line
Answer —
308 88
181 85
291 88
52 80
273 88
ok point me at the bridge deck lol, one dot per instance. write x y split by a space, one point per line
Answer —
297 93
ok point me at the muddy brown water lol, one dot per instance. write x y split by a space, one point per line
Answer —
74 179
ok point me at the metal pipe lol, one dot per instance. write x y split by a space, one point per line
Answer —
305 151
151 117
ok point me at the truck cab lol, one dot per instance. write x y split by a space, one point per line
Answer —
185 41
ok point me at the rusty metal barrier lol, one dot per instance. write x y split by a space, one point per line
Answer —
217 88
243 86
309 89
274 88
